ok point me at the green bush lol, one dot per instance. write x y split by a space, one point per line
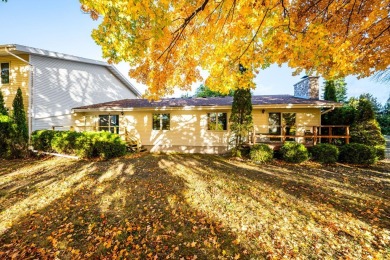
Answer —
7 131
65 141
325 153
83 144
380 152
261 153
294 152
41 140
109 145
358 154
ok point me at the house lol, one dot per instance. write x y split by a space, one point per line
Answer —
52 83
201 125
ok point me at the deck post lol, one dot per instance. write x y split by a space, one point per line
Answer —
315 135
347 133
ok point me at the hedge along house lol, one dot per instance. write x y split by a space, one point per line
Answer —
52 83
201 125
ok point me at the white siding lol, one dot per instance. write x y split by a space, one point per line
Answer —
60 85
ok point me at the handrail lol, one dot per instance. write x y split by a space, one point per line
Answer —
309 133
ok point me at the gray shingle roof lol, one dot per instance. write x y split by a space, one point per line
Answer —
207 102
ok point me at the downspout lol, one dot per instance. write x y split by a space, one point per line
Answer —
328 110
30 91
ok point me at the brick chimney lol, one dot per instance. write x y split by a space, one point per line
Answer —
308 88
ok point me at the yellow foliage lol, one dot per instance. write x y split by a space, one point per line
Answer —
168 43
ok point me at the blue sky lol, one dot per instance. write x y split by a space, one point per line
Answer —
60 25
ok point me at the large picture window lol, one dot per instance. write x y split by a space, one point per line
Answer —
109 123
217 121
4 67
161 121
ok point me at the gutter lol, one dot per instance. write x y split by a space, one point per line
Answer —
30 89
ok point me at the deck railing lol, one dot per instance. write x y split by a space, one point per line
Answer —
302 133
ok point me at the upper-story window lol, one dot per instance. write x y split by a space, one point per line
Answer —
109 123
161 121
216 121
4 73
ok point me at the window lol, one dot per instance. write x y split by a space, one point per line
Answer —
217 121
161 121
109 123
277 120
4 73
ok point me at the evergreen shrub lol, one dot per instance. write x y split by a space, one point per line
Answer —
294 152
358 154
65 141
380 152
7 131
325 153
41 140
261 153
104 145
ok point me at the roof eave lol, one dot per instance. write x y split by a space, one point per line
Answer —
127 109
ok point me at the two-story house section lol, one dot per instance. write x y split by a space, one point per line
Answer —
53 83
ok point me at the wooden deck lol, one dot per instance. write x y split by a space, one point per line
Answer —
307 135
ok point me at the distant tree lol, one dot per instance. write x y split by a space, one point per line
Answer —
376 105
19 116
3 109
204 91
330 91
241 116
341 90
384 118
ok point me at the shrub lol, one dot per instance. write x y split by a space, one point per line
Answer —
261 153
380 152
100 144
84 144
7 131
294 152
41 140
109 145
368 133
65 141
325 153
358 154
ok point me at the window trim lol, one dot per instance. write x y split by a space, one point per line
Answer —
9 70
161 120
226 125
108 128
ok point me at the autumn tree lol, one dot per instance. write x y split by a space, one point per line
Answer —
383 76
168 43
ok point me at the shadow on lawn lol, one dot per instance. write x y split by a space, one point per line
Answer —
130 208
361 192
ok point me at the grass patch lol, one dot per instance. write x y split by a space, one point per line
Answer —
192 206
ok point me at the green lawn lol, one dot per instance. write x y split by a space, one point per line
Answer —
192 206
